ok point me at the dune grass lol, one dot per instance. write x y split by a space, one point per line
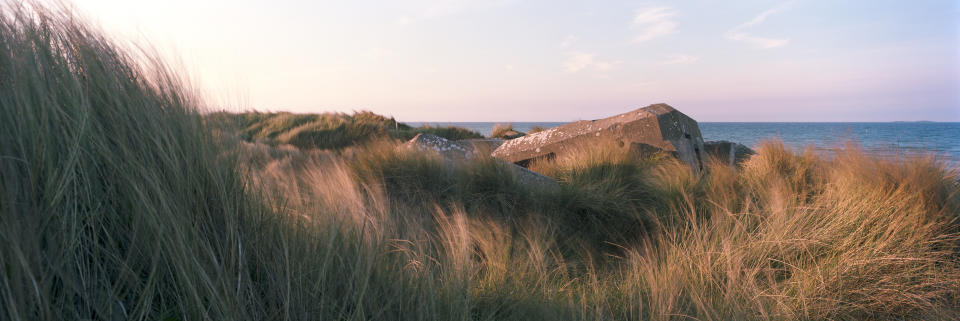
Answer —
114 204
119 200
536 129
448 132
328 130
118 204
787 236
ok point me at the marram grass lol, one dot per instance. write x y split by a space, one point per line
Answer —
119 200
327 130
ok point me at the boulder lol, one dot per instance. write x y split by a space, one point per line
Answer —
656 127
461 150
450 149
729 152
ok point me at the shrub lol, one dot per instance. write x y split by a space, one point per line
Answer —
505 132
448 132
536 129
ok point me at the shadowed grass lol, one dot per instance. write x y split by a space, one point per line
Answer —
113 204
117 203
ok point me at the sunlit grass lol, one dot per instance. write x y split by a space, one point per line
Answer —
505 131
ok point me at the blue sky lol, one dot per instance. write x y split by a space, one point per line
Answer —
514 60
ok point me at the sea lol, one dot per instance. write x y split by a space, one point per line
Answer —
892 139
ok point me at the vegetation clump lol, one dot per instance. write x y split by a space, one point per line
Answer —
448 132
329 130
505 132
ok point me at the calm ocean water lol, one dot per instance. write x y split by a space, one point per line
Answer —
906 138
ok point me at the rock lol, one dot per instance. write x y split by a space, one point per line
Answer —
462 150
731 153
653 128
451 149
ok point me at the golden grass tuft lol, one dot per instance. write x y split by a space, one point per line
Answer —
505 131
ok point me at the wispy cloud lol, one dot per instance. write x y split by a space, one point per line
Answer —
680 59
578 61
653 22
738 34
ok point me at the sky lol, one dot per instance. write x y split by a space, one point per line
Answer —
540 60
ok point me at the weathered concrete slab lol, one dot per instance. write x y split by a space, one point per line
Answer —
456 150
461 150
655 127
731 153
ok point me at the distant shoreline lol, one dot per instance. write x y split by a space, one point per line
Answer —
910 137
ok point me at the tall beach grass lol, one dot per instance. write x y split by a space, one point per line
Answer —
117 203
